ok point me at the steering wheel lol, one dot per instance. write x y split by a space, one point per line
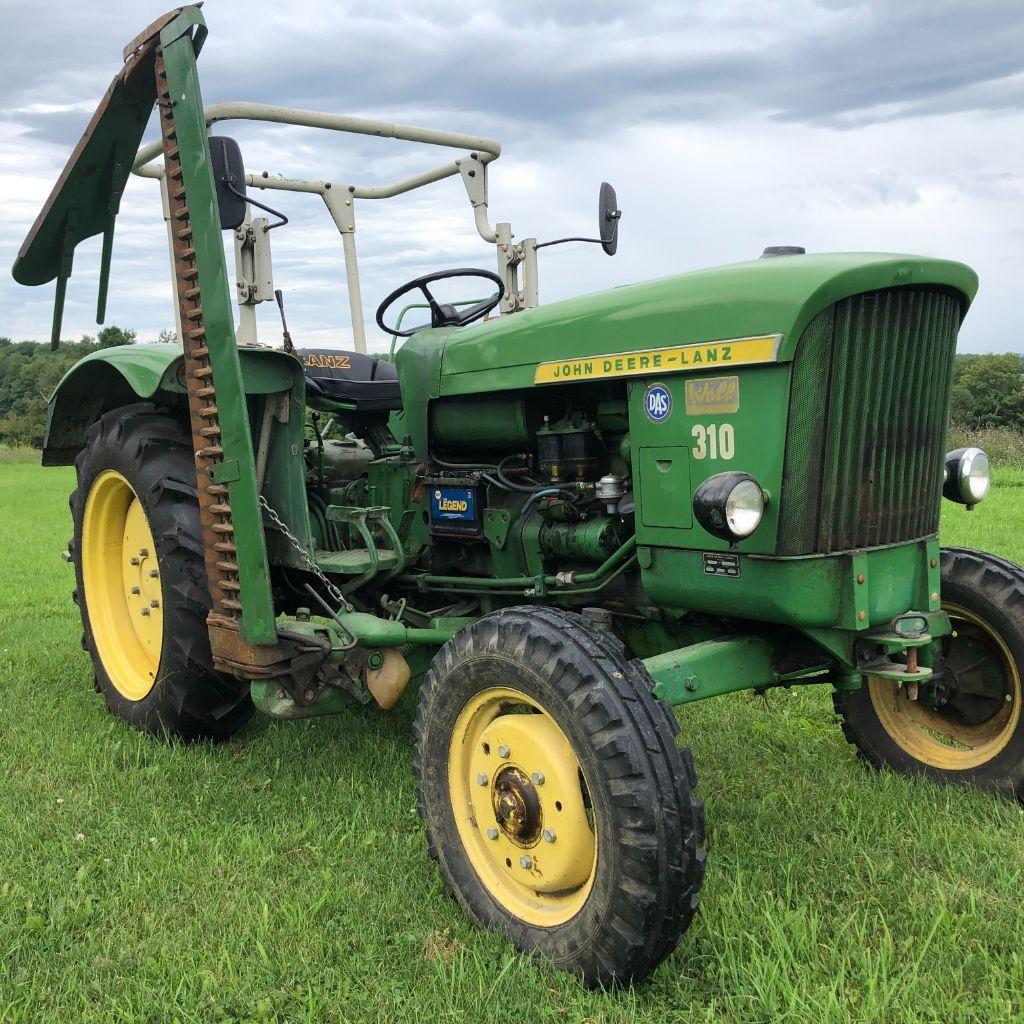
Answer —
442 314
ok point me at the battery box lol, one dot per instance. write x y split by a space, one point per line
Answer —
454 507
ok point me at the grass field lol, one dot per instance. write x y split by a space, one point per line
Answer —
284 876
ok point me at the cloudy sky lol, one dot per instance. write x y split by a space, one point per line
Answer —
724 126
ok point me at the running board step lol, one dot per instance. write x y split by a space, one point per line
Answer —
355 562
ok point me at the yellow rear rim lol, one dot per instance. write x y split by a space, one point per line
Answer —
121 580
937 736
521 805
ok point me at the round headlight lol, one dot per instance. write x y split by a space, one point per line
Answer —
729 505
966 476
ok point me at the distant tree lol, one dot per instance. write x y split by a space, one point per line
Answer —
167 337
29 372
988 392
113 335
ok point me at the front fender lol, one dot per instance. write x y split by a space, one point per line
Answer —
124 374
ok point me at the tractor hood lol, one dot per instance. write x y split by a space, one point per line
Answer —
764 303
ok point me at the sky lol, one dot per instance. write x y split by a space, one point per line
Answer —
724 126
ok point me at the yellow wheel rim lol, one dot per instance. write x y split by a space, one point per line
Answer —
936 736
121 580
521 806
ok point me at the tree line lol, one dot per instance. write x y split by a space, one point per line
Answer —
29 372
988 390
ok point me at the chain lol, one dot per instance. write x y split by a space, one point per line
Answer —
307 562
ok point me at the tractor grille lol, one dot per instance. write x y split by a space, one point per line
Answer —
869 405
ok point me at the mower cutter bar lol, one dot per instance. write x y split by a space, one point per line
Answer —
218 531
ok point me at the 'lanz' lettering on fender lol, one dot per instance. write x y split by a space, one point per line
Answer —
674 359
327 361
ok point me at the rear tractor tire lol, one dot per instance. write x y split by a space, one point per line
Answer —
141 579
555 799
967 725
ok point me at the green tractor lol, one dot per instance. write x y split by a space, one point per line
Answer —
562 521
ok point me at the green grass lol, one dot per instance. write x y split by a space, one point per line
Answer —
284 876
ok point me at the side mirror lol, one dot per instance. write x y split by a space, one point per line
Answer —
229 178
608 216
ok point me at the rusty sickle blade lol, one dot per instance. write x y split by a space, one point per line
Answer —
214 503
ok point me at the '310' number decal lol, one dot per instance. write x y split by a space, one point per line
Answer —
715 441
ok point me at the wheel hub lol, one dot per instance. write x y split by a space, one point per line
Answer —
517 806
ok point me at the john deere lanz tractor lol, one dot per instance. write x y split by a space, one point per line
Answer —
562 521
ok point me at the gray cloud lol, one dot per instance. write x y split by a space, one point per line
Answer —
818 118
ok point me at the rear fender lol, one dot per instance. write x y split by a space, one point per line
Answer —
118 376
125 374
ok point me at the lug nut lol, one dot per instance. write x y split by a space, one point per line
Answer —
154 604
549 835
144 552
133 560
492 833
135 590
504 751
526 863
538 778
145 611
481 779
154 574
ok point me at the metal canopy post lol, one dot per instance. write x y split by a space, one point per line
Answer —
343 212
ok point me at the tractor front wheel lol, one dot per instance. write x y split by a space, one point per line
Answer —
556 802
141 579
966 725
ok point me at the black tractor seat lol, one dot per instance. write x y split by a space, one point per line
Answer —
367 382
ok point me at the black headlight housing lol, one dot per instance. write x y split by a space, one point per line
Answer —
730 505
966 476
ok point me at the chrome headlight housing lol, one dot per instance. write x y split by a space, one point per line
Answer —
966 476
730 505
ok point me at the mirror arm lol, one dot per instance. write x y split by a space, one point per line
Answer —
255 202
560 241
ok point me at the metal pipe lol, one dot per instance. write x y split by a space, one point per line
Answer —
621 554
355 298
486 149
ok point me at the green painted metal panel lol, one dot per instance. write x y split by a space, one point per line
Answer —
146 368
711 668
85 199
419 371
257 621
810 592
772 296
665 494
117 376
747 434
142 366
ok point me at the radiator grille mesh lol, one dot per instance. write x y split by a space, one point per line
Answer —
868 413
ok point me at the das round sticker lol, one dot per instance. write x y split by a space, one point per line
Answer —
657 403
